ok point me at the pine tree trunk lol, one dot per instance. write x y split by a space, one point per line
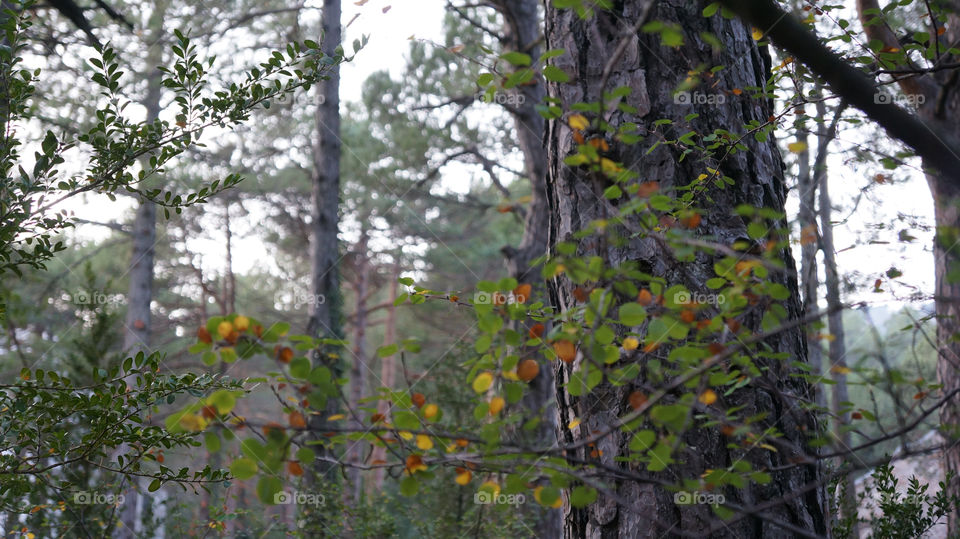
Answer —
522 27
358 371
388 371
324 321
653 71
137 326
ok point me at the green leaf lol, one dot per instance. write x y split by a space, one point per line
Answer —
268 488
305 455
409 486
243 468
555 74
212 441
632 314
388 350
517 58
223 401
582 496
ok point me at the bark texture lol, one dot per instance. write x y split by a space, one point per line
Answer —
324 227
653 72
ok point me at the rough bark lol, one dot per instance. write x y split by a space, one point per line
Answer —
653 72
324 227
326 184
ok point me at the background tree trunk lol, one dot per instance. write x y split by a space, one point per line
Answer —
522 32
653 71
136 329
324 228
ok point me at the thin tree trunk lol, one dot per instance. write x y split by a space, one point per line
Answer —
837 349
809 239
324 228
137 326
355 449
652 71
522 32
388 370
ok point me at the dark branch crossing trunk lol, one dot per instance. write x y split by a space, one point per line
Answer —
653 71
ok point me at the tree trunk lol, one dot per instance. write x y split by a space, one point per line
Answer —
358 371
809 276
837 349
653 71
326 185
522 27
388 370
324 228
136 334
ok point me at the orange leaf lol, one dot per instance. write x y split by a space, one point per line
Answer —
297 420
565 350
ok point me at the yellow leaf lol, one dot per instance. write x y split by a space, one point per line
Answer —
837 369
405 435
578 122
608 166
496 404
482 382
224 328
768 447
336 417
757 34
430 411
463 477
797 147
708 397
424 442
630 343
574 424
241 323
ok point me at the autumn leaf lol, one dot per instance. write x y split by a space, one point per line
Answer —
430 411
424 442
536 331
224 328
631 343
483 382
637 399
297 420
527 370
565 350
496 404
578 122
708 397
463 476
418 399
